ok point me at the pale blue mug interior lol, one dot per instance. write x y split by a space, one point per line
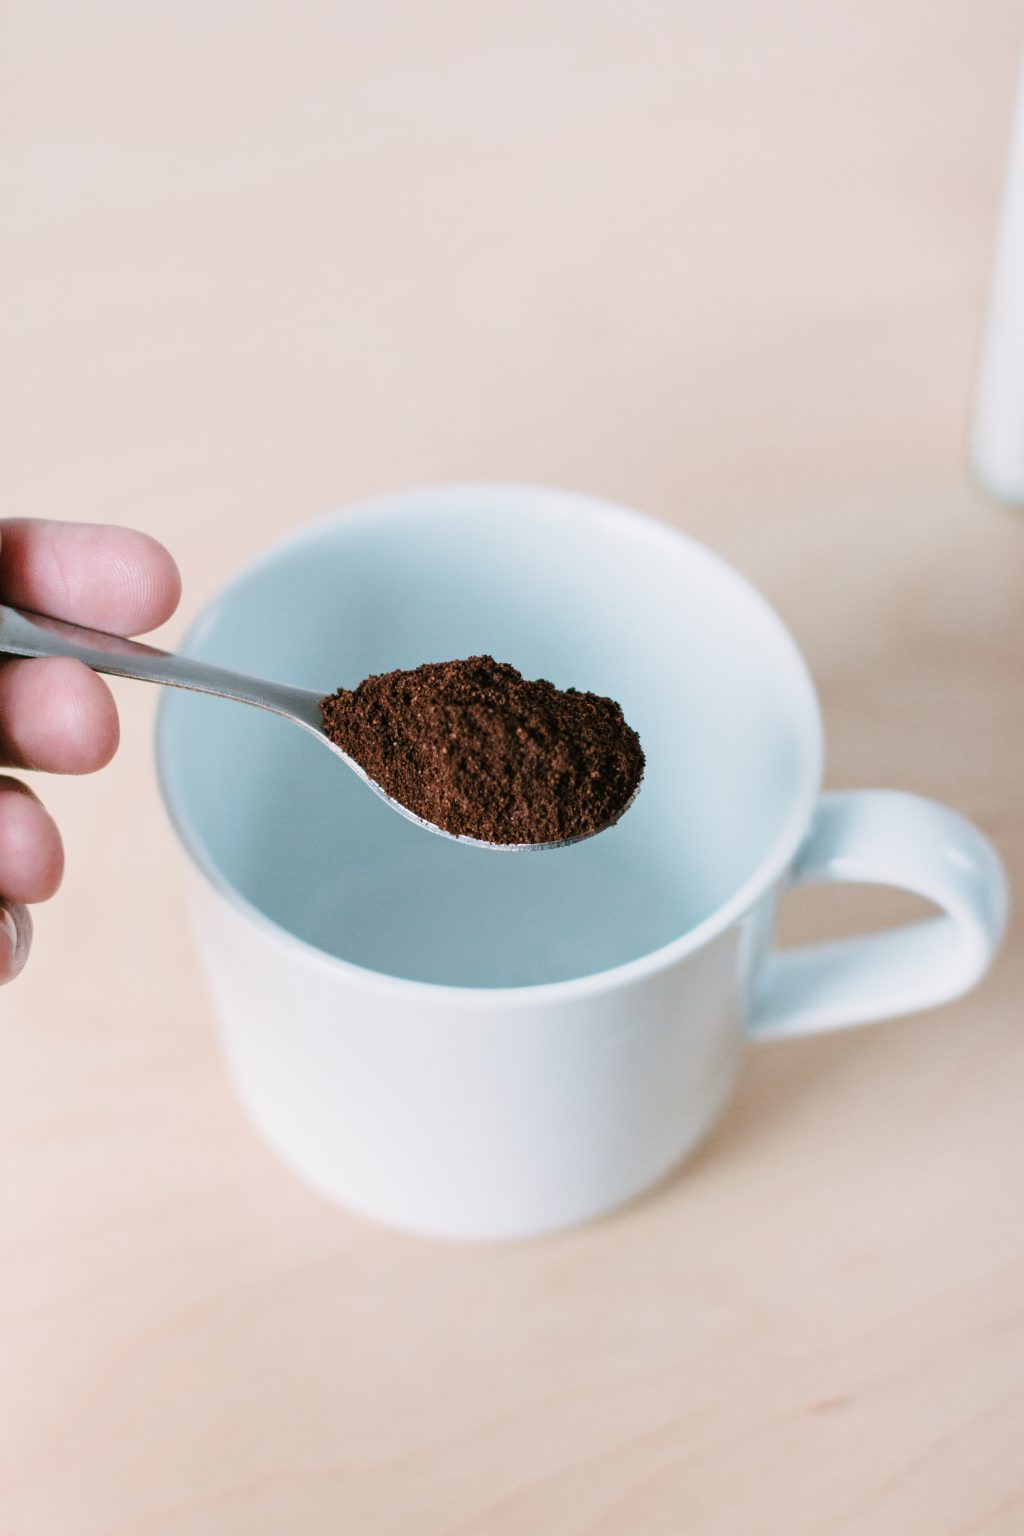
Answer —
564 588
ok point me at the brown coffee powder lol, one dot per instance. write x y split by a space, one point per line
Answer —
479 751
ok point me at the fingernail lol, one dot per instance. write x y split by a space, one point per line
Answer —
16 931
9 928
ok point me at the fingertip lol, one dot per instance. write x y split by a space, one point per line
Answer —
149 580
91 726
97 574
83 722
56 715
31 851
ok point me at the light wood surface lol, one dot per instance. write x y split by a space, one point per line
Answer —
726 263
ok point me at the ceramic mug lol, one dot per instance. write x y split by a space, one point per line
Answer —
484 1044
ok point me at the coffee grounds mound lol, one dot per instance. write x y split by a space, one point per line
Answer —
479 751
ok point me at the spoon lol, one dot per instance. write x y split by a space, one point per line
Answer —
33 634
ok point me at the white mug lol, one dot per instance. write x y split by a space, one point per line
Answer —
485 1044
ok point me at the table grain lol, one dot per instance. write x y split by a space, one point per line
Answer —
725 263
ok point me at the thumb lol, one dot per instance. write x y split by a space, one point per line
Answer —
15 938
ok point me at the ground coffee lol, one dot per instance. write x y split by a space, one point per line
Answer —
475 748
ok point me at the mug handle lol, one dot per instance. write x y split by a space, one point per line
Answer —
884 837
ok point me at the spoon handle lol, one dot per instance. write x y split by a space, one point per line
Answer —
34 634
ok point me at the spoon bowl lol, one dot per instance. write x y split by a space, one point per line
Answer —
25 634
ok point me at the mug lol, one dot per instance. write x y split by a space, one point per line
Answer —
477 1043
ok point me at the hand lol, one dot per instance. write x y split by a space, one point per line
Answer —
57 714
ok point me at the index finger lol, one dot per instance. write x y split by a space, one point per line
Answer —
96 574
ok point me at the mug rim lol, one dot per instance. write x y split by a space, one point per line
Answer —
767 871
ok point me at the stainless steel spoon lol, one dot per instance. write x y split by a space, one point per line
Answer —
33 634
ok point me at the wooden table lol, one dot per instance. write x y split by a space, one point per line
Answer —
724 263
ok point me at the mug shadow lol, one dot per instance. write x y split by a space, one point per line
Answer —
776 1081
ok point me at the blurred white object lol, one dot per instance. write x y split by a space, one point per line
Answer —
997 445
